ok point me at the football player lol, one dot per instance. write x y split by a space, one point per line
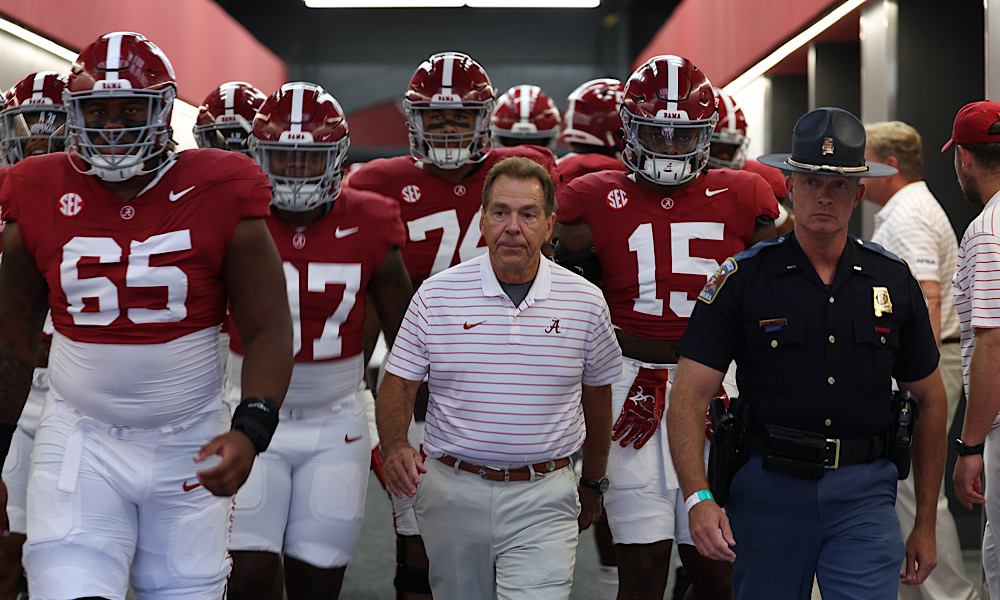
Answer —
226 115
305 497
439 191
659 232
136 249
593 129
728 151
33 123
525 114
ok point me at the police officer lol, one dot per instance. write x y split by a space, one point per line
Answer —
818 322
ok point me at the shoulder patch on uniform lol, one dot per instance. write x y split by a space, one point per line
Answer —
715 282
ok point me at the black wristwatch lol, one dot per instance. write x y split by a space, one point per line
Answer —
601 485
963 449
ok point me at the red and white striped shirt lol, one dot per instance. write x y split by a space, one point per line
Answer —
505 381
977 281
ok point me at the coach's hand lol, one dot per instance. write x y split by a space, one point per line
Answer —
237 452
402 467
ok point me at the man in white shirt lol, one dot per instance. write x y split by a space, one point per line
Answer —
912 225
976 137
520 356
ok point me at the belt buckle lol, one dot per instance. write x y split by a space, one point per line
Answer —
483 469
836 453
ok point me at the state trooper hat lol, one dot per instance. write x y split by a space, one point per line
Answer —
828 141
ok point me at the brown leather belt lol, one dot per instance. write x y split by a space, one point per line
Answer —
509 474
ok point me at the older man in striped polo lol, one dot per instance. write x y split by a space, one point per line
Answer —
520 356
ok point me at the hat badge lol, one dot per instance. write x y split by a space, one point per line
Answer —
827 147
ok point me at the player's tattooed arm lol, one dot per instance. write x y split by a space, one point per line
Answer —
23 304
391 290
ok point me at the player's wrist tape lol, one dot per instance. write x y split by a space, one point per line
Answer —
257 418
6 435
697 497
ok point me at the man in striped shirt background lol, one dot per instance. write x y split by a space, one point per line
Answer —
520 356
976 138
912 225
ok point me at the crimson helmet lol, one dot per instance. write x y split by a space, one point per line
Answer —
730 136
225 117
525 114
449 80
592 115
300 140
120 66
34 118
668 113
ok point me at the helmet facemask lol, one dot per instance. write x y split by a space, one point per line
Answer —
449 150
120 153
231 133
303 175
737 149
31 129
647 141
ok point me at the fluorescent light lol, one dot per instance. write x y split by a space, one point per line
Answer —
452 3
69 56
791 46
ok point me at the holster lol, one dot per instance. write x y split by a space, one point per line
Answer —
728 450
900 438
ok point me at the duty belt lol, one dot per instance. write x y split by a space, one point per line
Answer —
837 452
525 473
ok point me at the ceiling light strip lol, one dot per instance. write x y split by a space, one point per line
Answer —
791 46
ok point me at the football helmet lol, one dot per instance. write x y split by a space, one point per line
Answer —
120 66
449 80
34 118
300 140
592 115
668 113
225 117
730 136
525 114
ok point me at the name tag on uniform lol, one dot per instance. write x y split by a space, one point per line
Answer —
770 325
711 289
883 304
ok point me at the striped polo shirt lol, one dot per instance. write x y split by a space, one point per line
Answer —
504 380
977 281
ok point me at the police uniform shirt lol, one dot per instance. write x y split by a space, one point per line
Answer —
812 356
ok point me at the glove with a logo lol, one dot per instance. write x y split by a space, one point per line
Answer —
643 409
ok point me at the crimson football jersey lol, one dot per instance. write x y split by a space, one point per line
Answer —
656 251
771 175
573 165
144 271
328 267
441 217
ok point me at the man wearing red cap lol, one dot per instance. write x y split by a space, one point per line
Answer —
976 138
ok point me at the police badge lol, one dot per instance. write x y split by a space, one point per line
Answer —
883 304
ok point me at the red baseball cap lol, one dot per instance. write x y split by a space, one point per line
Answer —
976 123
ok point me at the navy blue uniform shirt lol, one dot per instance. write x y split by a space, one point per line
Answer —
813 356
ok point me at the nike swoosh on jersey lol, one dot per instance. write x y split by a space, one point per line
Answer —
342 233
175 196
467 326
188 487
349 439
710 193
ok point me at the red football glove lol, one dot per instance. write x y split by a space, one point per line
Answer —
708 420
377 464
643 409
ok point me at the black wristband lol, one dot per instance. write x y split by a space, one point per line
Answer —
6 435
257 418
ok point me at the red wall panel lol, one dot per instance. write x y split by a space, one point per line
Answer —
205 45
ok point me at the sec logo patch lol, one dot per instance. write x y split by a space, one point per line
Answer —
617 199
410 194
70 204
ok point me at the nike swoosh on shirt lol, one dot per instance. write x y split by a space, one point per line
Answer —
188 487
342 233
175 196
349 439
467 326
714 192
